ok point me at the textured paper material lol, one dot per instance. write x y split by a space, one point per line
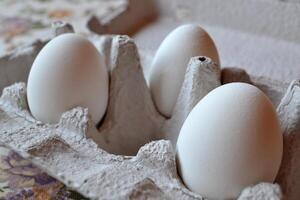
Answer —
72 150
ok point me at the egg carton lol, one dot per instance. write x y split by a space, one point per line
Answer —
130 155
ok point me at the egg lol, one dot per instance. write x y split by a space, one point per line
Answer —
230 140
170 62
68 72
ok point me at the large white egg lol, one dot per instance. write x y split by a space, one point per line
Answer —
171 60
68 72
230 140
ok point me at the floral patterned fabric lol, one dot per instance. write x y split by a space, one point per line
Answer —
20 180
22 22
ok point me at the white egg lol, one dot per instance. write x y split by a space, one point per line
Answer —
230 140
68 72
171 60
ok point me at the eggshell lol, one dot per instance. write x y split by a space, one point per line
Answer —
171 60
68 72
230 140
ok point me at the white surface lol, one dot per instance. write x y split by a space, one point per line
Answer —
272 18
228 143
260 55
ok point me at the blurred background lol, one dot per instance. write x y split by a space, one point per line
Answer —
261 36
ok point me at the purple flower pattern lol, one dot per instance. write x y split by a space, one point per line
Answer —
21 180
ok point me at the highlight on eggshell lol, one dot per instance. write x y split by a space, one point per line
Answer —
230 140
171 60
68 72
